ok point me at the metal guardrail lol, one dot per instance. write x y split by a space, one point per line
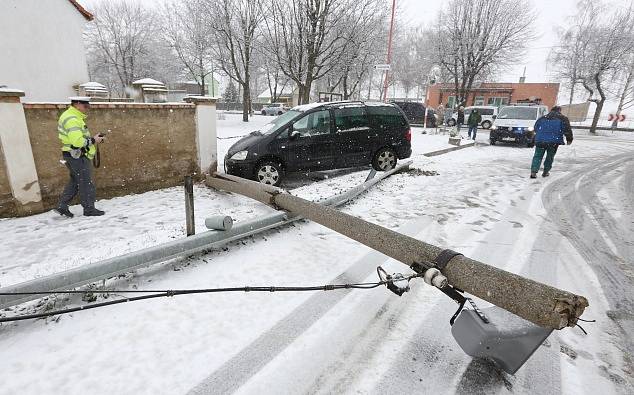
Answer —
112 267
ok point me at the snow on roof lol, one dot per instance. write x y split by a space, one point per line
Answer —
147 81
287 90
82 10
10 90
306 107
92 85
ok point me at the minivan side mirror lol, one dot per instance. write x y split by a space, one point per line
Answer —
495 116
294 135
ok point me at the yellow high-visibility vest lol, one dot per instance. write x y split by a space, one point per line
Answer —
73 132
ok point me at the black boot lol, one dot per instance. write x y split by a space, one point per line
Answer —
64 212
93 212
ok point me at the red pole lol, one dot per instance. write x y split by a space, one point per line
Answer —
389 51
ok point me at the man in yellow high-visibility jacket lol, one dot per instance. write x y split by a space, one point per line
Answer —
78 149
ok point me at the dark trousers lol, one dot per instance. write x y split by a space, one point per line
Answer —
80 182
550 151
474 130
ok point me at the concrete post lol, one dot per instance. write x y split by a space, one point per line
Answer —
18 155
206 134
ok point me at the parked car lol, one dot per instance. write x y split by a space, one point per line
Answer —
274 109
516 123
415 113
488 113
323 136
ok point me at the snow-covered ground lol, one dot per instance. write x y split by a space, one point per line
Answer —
481 204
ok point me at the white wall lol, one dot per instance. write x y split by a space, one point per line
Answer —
41 48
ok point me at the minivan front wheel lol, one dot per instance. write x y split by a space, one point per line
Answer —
384 160
486 124
269 172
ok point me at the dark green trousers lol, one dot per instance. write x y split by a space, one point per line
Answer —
550 152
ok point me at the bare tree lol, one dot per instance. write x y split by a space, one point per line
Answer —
364 32
187 30
122 40
475 38
626 89
608 43
567 57
235 28
308 38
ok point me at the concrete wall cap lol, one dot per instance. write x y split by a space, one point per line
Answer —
11 92
200 99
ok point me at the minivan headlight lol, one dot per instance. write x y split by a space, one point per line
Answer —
531 129
241 155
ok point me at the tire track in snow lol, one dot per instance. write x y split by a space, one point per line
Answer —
239 369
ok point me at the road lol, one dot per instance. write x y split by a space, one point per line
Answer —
386 344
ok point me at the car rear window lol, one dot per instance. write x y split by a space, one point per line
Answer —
386 116
350 119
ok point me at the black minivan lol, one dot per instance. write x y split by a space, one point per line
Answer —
322 136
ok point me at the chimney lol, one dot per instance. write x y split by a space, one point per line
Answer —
523 77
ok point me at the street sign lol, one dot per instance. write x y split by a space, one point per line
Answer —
616 117
382 67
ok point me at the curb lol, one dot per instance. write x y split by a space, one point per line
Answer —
446 150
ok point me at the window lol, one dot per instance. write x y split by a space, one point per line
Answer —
523 113
313 124
274 125
498 101
349 119
385 116
486 111
451 101
478 101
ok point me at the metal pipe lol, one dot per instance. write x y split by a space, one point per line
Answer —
541 304
189 206
219 222
108 268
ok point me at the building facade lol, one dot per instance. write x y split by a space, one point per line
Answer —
496 94
42 47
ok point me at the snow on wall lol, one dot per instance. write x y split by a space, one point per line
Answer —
42 48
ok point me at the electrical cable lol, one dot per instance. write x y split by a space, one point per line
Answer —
168 293
96 160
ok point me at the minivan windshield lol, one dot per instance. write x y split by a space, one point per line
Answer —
524 113
279 121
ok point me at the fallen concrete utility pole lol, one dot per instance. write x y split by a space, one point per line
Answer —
538 303
111 267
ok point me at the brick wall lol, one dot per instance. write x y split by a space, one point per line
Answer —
150 146
513 92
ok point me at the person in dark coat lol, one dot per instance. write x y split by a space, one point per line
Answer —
550 131
460 118
474 120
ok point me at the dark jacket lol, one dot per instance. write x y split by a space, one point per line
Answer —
460 119
551 129
474 118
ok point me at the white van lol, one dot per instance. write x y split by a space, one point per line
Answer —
488 114
516 123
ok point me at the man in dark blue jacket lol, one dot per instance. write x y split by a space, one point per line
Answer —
549 135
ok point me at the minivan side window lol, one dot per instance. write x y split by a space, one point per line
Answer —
349 119
385 116
313 124
486 111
